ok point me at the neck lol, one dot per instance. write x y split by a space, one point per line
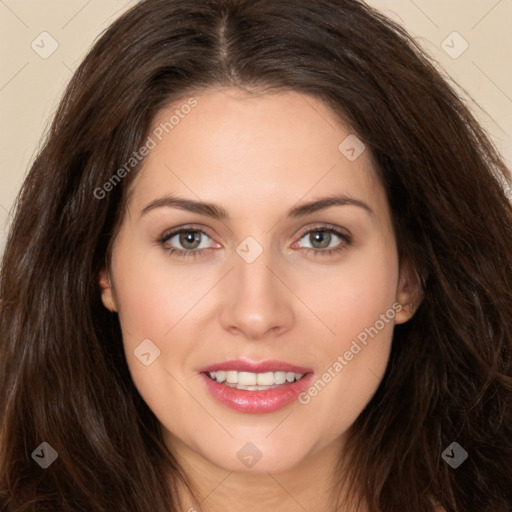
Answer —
307 486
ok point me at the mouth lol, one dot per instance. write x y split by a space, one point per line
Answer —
250 381
251 387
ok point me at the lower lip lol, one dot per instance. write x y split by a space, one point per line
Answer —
257 402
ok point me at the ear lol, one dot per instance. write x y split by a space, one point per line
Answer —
409 293
107 294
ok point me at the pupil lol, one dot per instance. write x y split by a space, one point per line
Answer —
320 236
188 237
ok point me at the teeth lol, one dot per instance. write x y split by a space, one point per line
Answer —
254 381
280 377
232 377
248 379
265 379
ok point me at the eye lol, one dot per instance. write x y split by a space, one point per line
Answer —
189 238
191 241
321 239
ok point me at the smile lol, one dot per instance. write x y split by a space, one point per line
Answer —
254 381
256 388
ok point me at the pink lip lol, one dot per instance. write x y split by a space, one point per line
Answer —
241 365
257 402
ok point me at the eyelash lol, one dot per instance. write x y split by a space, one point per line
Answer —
194 253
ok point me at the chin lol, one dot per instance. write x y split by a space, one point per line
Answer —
255 457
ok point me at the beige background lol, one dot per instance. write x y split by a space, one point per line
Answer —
30 86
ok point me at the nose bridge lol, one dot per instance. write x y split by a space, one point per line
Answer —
261 281
252 277
252 255
257 300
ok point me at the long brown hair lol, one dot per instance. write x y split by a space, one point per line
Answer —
63 375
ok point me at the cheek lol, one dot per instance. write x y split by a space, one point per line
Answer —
357 306
153 293
157 301
150 307
351 296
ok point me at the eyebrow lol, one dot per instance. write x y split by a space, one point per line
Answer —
219 213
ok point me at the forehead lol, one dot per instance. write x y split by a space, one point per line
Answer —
236 146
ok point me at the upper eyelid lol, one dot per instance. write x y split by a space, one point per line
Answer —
170 233
327 227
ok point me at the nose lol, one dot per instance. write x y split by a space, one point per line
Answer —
258 302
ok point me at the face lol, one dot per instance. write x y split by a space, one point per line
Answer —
269 291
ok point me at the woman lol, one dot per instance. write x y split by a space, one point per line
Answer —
339 337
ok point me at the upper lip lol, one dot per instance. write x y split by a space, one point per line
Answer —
244 365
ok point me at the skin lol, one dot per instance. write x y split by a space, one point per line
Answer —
257 157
